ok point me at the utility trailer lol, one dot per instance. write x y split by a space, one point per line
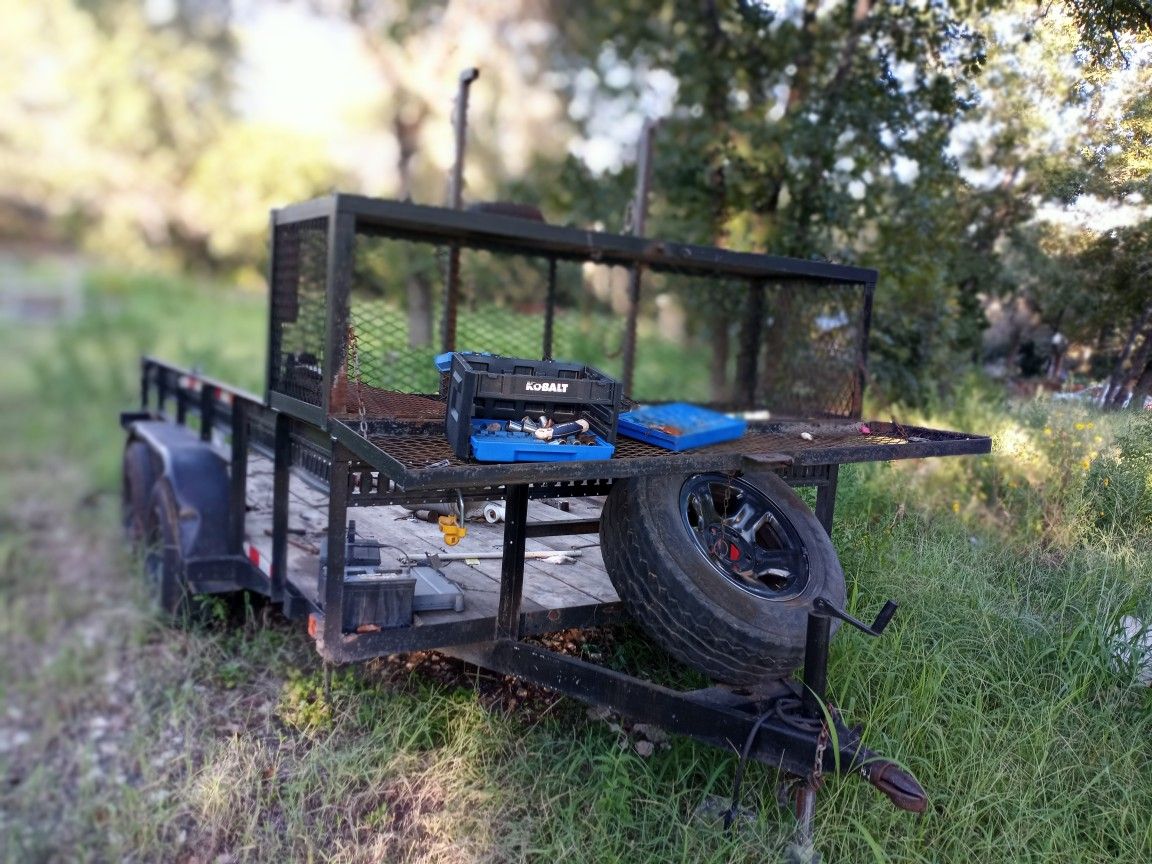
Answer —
709 549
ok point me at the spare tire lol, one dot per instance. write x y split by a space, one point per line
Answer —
720 570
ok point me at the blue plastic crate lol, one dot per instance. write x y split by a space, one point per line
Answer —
505 446
679 426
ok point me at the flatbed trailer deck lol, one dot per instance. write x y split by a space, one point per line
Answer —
412 464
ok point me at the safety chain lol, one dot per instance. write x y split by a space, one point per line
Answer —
818 759
354 350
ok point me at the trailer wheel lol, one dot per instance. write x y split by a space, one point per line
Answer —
164 558
138 476
720 570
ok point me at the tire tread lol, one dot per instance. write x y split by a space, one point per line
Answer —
679 616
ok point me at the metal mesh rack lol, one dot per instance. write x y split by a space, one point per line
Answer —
424 458
362 304
422 451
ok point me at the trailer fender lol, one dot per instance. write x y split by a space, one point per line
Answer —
198 476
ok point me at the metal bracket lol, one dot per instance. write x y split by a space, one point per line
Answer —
766 461
823 607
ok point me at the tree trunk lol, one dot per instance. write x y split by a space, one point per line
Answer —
1143 388
1140 372
406 124
716 103
718 335
1113 396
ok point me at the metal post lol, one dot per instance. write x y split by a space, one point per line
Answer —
341 251
282 461
639 220
819 631
181 405
800 849
550 309
512 568
145 377
816 642
816 664
748 361
826 499
238 479
862 367
273 364
208 411
332 591
460 122
455 199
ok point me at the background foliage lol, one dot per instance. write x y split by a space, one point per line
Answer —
942 143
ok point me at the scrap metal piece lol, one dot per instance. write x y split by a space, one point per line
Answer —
433 592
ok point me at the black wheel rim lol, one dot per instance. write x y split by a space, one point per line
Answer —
744 535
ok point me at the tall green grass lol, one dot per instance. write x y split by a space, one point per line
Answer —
998 683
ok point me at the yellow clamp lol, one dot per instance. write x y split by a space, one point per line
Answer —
453 532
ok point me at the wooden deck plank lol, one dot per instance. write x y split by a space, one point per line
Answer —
547 586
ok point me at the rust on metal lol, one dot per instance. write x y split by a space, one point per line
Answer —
382 404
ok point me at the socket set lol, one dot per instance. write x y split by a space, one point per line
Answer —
539 440
679 426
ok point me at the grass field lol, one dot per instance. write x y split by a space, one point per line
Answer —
998 683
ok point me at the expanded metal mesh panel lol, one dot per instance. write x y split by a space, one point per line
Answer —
396 320
503 301
381 404
296 340
685 337
810 359
394 315
591 315
793 349
417 452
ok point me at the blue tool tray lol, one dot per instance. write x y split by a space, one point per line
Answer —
679 426
505 446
